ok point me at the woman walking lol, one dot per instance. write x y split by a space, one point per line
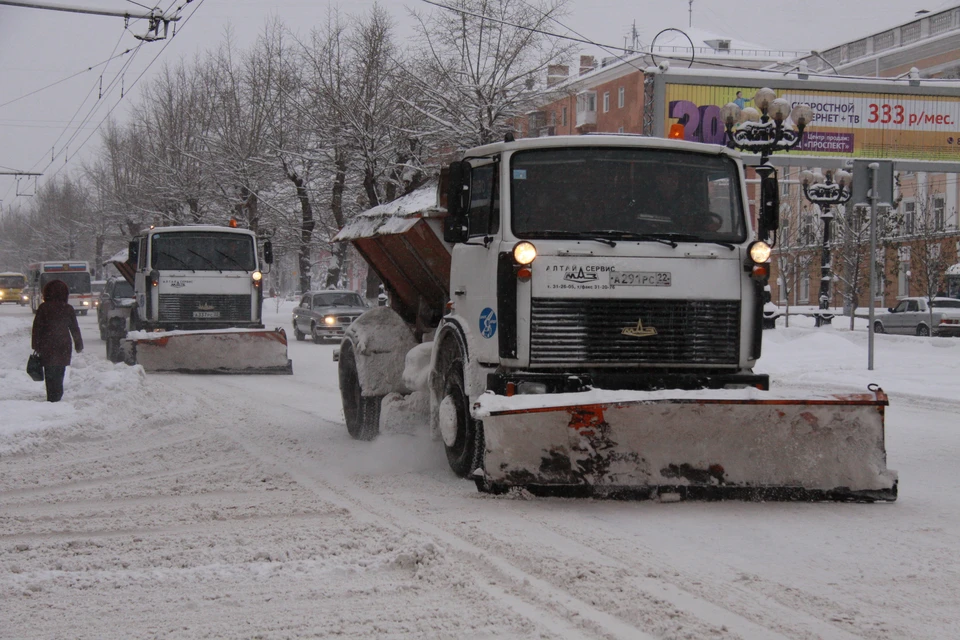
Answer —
54 324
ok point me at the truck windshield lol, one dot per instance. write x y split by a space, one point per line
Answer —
76 281
202 251
12 282
611 192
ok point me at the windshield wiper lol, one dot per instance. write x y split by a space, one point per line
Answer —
575 235
170 255
231 259
663 238
206 259
673 238
689 237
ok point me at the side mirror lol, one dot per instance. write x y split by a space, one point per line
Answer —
889 309
133 253
455 225
769 214
268 252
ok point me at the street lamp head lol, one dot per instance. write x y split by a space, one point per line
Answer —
763 99
780 110
806 177
749 114
843 178
730 114
802 116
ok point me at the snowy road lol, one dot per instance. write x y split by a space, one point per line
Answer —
215 506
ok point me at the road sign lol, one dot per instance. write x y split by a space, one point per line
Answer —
863 182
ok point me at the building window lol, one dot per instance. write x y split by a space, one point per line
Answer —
856 49
903 276
909 217
620 130
909 33
620 96
884 41
803 295
939 213
606 101
940 23
563 116
806 229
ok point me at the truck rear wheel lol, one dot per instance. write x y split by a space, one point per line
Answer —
462 435
361 413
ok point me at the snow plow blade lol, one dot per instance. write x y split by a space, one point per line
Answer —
242 351
747 445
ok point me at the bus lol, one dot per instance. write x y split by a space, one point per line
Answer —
12 287
75 274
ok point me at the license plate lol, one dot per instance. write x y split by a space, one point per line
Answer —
206 314
640 278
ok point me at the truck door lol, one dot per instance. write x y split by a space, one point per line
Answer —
473 272
140 278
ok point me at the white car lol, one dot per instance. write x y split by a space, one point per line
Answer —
912 317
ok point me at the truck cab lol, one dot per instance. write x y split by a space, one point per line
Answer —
196 277
609 261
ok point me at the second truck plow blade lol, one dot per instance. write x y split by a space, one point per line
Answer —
244 351
710 447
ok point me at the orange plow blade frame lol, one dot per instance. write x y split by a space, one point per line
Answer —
824 448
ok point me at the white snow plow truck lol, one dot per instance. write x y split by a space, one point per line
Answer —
199 299
591 308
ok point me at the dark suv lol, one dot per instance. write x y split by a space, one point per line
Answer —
116 300
324 315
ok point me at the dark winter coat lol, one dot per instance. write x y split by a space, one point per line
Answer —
54 324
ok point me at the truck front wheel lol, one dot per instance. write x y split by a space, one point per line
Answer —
462 435
361 413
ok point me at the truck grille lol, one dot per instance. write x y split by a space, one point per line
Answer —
590 332
204 308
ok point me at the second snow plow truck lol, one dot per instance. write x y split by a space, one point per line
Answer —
591 308
199 302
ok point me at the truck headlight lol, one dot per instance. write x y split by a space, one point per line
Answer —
760 252
329 320
86 303
256 275
524 252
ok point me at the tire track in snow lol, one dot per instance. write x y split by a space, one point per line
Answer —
369 507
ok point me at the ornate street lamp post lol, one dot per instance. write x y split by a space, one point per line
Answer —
764 130
826 191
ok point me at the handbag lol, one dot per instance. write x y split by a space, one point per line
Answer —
34 368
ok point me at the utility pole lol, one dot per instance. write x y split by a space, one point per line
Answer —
154 17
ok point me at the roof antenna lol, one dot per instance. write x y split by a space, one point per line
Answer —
691 14
509 137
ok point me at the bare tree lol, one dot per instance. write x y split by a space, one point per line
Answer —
795 253
927 235
480 67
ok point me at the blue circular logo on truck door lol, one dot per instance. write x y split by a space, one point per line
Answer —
488 322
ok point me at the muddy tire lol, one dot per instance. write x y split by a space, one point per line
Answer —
361 413
923 330
465 452
317 338
878 327
114 350
299 335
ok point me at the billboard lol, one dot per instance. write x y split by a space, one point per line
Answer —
846 123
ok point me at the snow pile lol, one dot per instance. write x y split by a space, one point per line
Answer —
97 394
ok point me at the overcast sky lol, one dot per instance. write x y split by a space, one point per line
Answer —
39 48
